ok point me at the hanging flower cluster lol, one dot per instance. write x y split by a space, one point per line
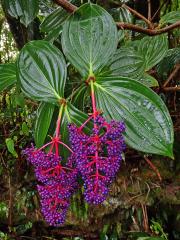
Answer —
57 182
96 157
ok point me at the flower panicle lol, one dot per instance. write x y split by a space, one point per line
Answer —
98 156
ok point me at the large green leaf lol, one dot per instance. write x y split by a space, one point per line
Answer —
171 17
26 10
7 75
42 71
43 120
125 62
153 49
89 38
148 124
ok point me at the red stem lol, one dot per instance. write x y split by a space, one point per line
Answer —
96 136
58 126
84 124
47 144
65 146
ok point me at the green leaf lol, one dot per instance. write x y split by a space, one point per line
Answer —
148 80
43 120
171 17
166 65
26 10
153 49
53 35
125 62
10 146
7 75
42 71
148 123
19 100
25 129
125 15
89 39
77 116
52 24
54 20
80 96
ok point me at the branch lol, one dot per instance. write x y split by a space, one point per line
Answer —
138 15
69 7
172 75
171 89
159 9
149 10
154 168
150 32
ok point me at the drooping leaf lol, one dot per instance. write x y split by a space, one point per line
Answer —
125 62
89 38
42 71
7 75
153 49
148 123
26 10
171 17
43 120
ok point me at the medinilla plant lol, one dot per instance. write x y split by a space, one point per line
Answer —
111 106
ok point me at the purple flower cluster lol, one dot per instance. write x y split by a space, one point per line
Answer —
57 183
98 156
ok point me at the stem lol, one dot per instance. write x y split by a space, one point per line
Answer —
44 146
84 124
58 124
139 15
95 126
150 32
153 167
67 114
173 74
149 10
65 145
93 100
66 5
